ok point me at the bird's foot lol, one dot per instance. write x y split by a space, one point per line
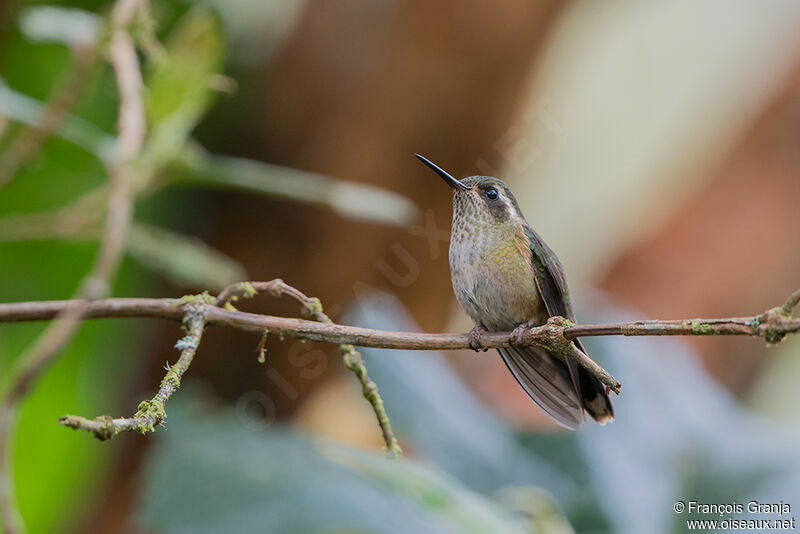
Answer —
475 338
517 335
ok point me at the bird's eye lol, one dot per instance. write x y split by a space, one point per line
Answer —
492 193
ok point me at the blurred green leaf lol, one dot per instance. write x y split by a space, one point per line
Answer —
539 506
24 109
180 82
58 473
349 199
185 260
55 24
431 488
774 391
210 473
195 167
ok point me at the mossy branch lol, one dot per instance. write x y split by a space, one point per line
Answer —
195 310
312 307
790 304
772 325
151 413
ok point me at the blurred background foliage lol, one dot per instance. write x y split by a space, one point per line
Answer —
653 145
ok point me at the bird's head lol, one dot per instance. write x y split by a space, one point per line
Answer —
482 196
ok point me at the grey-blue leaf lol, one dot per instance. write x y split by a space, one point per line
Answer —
210 474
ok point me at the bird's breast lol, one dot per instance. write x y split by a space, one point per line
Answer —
493 280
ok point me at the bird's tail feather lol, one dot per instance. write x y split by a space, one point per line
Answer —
594 394
557 392
547 382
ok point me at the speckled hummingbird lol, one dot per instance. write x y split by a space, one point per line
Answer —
506 278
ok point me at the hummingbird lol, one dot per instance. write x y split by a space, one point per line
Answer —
506 278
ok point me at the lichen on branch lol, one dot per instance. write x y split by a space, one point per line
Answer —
151 413
312 307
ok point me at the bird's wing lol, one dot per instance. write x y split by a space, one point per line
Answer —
552 284
550 280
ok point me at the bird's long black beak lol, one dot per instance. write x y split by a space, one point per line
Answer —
452 182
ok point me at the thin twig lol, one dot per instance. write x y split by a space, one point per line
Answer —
122 54
791 303
30 139
151 413
312 307
129 140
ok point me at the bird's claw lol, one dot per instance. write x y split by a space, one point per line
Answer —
475 338
516 337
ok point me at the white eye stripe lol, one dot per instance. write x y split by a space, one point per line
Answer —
511 208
